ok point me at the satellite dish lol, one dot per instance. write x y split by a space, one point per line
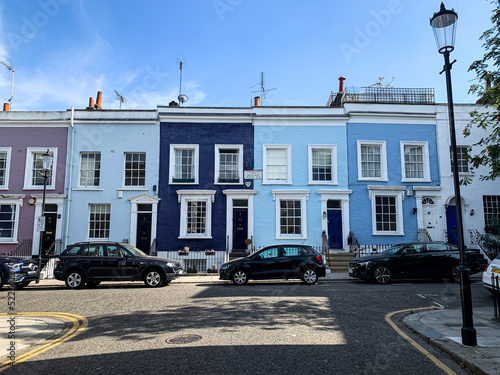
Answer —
182 98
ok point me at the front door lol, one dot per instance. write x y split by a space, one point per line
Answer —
143 239
429 217
49 235
335 229
240 228
451 225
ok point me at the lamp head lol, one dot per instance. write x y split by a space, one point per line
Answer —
443 24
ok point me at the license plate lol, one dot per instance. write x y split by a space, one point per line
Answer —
495 270
351 270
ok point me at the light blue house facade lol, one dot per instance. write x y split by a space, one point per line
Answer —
393 172
112 177
303 193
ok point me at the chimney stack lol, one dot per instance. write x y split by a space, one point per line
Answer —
98 105
341 83
6 107
91 104
256 101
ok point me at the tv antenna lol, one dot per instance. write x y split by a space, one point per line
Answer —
182 98
120 98
11 81
262 90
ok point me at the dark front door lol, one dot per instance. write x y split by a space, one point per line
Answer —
49 235
335 229
240 228
143 241
451 224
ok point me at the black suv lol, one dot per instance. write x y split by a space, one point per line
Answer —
413 260
276 262
18 272
93 262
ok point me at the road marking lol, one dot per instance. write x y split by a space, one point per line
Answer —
421 296
436 361
79 324
438 304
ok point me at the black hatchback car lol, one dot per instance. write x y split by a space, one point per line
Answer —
413 260
93 262
276 262
18 272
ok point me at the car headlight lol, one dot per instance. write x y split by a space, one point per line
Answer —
15 267
225 266
171 265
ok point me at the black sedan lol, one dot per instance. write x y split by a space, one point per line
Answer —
94 262
413 260
276 262
18 272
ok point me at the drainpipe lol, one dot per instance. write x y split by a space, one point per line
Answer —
70 178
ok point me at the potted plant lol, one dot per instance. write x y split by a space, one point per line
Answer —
209 252
184 251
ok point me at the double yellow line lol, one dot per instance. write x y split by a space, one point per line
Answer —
79 324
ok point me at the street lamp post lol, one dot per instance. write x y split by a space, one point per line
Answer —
46 165
443 24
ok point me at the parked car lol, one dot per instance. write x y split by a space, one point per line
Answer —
413 260
491 269
18 272
276 262
94 262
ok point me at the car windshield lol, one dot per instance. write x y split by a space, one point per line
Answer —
393 250
134 250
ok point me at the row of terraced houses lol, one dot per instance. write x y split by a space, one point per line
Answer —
374 166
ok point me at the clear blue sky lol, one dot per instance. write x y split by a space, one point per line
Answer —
64 51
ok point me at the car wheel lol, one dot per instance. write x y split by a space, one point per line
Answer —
382 274
455 274
1 280
93 284
240 277
309 276
154 278
74 280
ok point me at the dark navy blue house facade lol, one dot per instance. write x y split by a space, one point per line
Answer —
206 203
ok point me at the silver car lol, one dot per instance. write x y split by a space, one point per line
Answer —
492 269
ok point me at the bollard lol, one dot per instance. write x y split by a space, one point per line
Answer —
496 295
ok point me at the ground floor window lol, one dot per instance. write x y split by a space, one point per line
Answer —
491 207
196 213
7 222
99 221
291 213
387 209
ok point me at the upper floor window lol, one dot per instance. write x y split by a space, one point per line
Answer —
183 164
90 168
4 167
415 161
228 164
135 169
35 174
372 161
463 166
277 164
322 164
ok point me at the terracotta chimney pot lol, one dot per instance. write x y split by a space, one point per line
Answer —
257 101
6 107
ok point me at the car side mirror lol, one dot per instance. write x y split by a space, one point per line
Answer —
257 257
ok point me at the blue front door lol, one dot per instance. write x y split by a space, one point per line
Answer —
451 225
335 229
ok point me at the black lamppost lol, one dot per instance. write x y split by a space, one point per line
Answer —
443 24
46 165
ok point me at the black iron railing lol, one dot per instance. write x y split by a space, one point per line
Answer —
389 95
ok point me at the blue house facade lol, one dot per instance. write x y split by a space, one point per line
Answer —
303 195
393 172
112 177
206 201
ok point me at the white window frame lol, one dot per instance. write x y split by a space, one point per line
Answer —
88 230
426 165
460 161
171 171
398 192
287 195
288 180
8 151
218 148
383 161
29 163
125 186
185 196
80 171
14 200
333 150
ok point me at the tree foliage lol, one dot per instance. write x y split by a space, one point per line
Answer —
486 151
